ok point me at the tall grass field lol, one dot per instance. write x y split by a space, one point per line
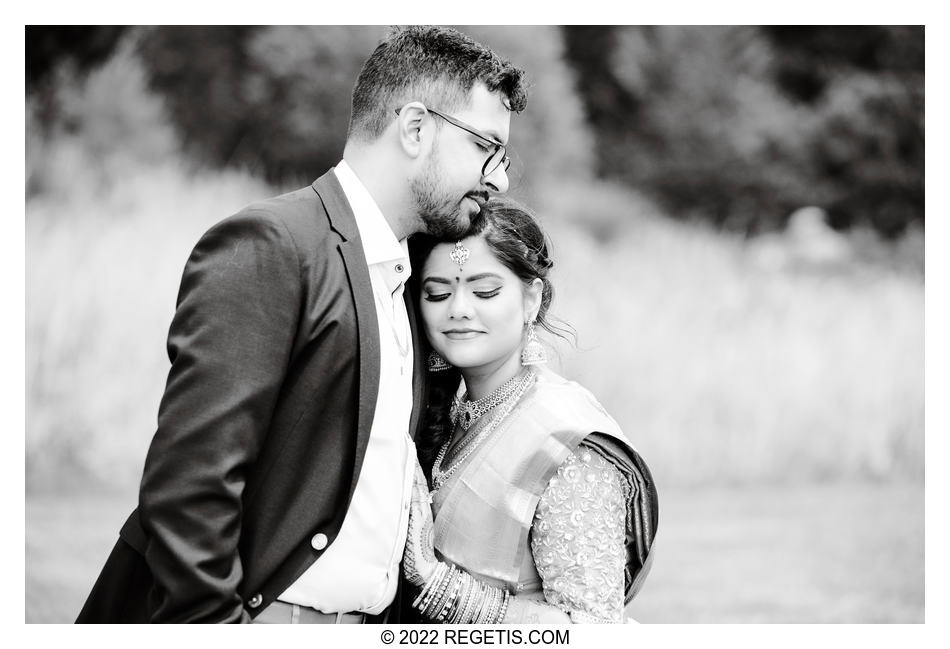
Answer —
719 369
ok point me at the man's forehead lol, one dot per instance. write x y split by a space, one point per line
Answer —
487 111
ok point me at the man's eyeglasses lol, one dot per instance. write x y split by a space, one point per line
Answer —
497 155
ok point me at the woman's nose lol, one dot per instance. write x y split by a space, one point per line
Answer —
460 306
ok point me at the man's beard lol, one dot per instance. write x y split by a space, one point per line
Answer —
440 213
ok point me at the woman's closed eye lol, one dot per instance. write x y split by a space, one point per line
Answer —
430 296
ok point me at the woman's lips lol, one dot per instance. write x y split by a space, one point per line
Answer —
460 334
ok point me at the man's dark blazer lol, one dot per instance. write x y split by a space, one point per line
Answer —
263 426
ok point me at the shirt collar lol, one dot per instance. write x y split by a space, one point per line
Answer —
379 242
380 246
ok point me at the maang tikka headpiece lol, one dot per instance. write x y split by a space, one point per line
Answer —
459 254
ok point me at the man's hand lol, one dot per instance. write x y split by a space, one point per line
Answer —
419 560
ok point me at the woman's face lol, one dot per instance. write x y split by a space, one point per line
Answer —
474 317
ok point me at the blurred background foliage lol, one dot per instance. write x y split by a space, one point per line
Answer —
753 197
741 125
738 125
737 223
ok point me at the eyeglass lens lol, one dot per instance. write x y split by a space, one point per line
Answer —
498 158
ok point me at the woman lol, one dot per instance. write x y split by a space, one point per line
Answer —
543 512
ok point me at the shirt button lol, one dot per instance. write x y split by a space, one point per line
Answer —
399 268
319 541
255 601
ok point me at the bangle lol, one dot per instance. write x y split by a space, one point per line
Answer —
425 596
459 614
472 601
493 606
478 604
438 596
451 584
482 617
444 612
427 587
504 608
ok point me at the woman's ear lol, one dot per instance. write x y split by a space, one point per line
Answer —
532 299
409 128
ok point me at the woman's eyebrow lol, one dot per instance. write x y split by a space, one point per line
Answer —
475 278
471 278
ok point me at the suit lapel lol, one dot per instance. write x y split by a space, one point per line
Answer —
342 220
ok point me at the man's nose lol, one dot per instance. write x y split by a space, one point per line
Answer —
497 180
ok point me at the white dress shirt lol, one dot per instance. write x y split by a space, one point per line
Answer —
360 570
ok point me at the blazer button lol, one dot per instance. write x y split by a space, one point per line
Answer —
255 601
319 541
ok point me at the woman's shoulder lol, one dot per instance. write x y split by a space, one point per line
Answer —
561 399
553 387
548 379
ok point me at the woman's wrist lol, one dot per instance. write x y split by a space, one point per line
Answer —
454 596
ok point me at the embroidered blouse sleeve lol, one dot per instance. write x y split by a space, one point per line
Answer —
578 536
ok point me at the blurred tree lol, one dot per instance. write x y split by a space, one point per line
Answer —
679 113
84 45
299 89
808 57
866 86
198 70
742 125
103 120
611 106
273 100
53 51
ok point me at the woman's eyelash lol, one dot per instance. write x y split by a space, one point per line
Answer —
438 297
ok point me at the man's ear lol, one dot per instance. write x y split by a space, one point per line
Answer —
409 128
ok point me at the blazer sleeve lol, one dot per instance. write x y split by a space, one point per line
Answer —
229 344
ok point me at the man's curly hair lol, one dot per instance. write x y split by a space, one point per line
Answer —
438 66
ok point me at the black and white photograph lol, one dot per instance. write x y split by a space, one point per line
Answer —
475 325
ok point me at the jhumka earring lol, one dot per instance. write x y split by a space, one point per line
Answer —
437 363
533 352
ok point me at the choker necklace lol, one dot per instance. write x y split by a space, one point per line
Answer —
464 413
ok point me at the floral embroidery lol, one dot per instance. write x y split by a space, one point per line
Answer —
578 536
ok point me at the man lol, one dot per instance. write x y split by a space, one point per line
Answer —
278 482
